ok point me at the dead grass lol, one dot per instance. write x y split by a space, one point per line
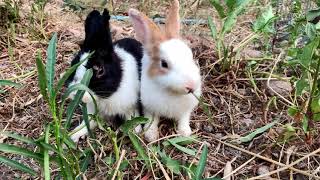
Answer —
236 106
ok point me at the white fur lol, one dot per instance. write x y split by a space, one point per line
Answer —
165 95
123 101
81 70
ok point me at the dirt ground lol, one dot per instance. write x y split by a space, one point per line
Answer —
237 107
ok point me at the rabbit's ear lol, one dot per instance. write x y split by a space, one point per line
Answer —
146 30
172 27
106 15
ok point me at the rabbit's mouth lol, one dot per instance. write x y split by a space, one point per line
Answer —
178 91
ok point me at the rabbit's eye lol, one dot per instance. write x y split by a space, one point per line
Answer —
164 64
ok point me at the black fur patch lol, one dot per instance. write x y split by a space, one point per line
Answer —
106 84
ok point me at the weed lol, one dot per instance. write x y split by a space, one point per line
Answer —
304 55
11 9
8 83
68 161
73 5
37 19
229 55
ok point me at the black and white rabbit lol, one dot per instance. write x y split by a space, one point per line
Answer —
116 72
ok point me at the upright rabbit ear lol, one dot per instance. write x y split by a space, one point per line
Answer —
106 14
146 30
172 27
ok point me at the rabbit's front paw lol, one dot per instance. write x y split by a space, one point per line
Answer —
138 129
151 134
79 135
184 130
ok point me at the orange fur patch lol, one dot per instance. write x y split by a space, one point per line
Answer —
155 68
172 27
155 36
152 45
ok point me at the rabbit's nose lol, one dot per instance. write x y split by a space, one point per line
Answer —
190 87
189 90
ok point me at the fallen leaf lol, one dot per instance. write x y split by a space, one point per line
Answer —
227 171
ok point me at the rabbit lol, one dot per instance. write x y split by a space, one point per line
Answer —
116 72
170 79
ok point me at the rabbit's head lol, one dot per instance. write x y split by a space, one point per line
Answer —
171 64
104 62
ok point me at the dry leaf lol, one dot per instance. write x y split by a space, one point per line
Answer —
227 171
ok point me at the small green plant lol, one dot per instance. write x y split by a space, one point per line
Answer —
228 54
73 5
304 56
10 10
51 147
37 19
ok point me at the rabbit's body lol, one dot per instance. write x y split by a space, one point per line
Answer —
116 72
170 78
120 98
124 101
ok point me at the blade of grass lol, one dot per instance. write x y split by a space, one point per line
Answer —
66 170
46 155
21 151
19 138
183 149
76 87
42 77
67 140
78 97
260 130
173 165
181 140
213 28
202 163
113 137
8 83
51 61
67 74
85 162
17 165
131 124
49 147
231 4
86 120
138 147
217 5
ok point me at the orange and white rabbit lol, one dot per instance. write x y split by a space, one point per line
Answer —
169 76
